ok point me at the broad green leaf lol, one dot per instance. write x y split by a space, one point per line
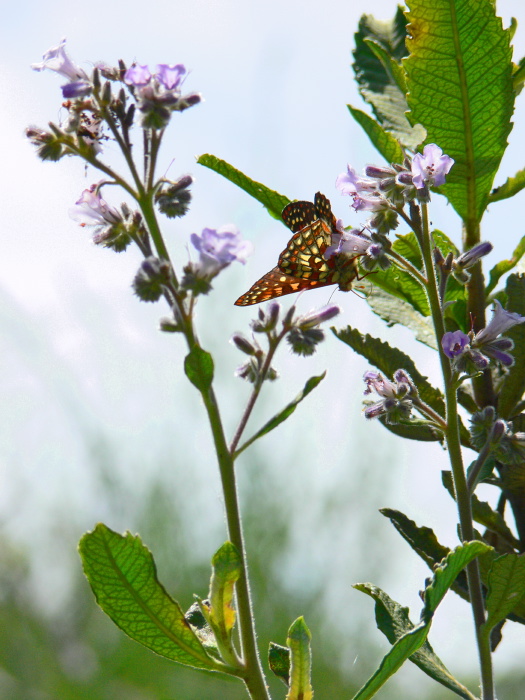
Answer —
226 569
123 576
459 79
506 584
279 661
394 310
510 187
298 642
387 359
505 266
377 85
387 145
483 513
284 414
198 365
513 386
273 201
393 620
447 572
405 646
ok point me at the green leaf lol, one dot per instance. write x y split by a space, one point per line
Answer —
394 69
377 85
198 365
415 430
393 620
226 569
387 145
447 572
394 310
387 359
510 187
513 386
422 539
506 584
459 79
273 201
405 646
505 266
400 283
279 661
123 576
298 642
284 414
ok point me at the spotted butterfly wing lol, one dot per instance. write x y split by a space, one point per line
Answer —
302 264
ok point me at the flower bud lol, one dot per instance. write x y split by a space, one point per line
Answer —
152 277
173 198
243 344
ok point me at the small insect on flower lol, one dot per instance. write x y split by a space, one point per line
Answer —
305 262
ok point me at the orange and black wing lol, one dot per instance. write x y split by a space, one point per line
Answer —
276 284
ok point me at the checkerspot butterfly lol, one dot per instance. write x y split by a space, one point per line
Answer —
302 264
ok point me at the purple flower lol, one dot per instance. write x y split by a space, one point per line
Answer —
396 403
170 76
430 167
218 248
501 321
352 243
454 343
92 210
138 76
350 183
56 59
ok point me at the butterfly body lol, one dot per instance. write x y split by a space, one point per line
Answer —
302 264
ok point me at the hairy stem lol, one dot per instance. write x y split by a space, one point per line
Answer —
456 460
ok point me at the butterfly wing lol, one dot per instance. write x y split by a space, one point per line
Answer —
297 215
303 256
276 284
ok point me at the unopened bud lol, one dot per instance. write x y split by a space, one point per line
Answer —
244 345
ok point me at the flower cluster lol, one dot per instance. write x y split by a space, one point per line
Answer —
396 397
508 445
475 351
158 93
382 189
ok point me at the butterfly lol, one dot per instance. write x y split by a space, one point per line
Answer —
302 264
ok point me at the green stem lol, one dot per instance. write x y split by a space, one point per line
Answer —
456 460
406 265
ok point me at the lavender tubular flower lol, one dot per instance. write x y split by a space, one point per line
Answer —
396 404
57 60
501 321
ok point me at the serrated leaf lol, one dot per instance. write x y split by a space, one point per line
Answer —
394 310
198 366
405 646
510 187
279 661
226 569
376 84
513 386
448 571
387 359
284 414
506 584
505 266
123 576
298 642
393 620
273 201
422 539
387 145
459 79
